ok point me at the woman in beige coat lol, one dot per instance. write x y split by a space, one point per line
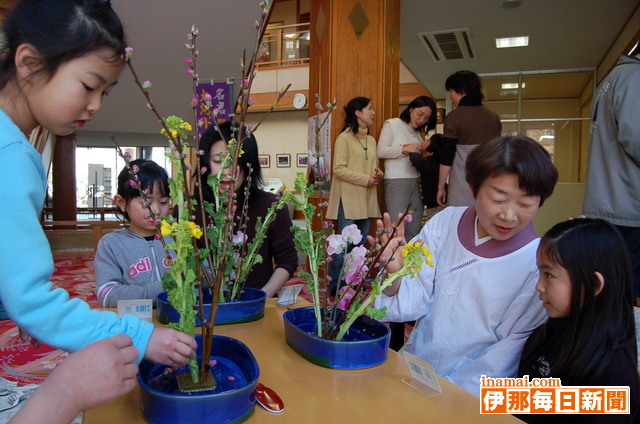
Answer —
354 198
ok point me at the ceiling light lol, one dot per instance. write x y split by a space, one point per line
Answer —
512 42
512 85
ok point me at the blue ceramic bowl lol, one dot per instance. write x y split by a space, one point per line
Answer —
365 345
250 307
233 401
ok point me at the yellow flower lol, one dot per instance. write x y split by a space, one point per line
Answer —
195 231
186 126
166 228
415 254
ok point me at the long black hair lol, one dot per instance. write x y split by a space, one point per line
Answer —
597 323
61 30
350 119
248 161
421 101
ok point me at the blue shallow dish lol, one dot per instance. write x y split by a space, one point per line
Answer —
365 345
233 401
250 307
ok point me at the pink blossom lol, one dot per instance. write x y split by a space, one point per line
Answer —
132 183
188 61
335 244
239 238
194 101
207 96
356 275
351 234
355 258
345 296
323 171
409 218
190 72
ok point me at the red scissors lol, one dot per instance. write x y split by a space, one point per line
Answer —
269 399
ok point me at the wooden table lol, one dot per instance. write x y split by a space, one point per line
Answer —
313 394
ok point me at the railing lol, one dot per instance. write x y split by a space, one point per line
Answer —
286 45
94 230
85 213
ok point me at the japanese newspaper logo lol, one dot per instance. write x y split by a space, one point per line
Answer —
549 396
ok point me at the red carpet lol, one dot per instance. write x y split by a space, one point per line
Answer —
25 364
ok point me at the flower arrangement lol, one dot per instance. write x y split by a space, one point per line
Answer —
216 266
363 270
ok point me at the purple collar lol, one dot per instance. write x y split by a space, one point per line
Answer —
492 248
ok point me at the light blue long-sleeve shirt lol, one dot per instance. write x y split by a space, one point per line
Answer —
26 263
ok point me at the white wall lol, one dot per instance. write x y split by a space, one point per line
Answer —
282 132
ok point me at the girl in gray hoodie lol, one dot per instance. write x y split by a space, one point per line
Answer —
130 262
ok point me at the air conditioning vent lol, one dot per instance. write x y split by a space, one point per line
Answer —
448 45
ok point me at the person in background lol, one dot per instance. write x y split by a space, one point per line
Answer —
613 172
465 127
400 137
130 262
475 309
279 255
428 166
57 77
77 384
589 338
353 198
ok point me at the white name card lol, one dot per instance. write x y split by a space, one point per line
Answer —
142 308
423 376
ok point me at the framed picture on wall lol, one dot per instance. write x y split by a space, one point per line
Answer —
264 160
283 160
302 159
440 115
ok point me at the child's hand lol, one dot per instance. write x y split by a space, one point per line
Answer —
26 337
97 374
170 347
385 223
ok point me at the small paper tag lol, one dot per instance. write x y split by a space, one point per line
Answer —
289 294
423 376
142 308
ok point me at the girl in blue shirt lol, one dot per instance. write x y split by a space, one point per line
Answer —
61 58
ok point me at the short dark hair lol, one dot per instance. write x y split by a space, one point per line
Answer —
518 155
149 174
421 101
436 145
597 324
350 119
61 30
225 131
467 83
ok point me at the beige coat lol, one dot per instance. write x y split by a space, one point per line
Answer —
352 168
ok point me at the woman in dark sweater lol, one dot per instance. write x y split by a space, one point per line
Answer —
279 256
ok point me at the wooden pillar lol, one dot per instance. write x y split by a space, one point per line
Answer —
64 178
355 51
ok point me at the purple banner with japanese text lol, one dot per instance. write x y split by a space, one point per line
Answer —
220 93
